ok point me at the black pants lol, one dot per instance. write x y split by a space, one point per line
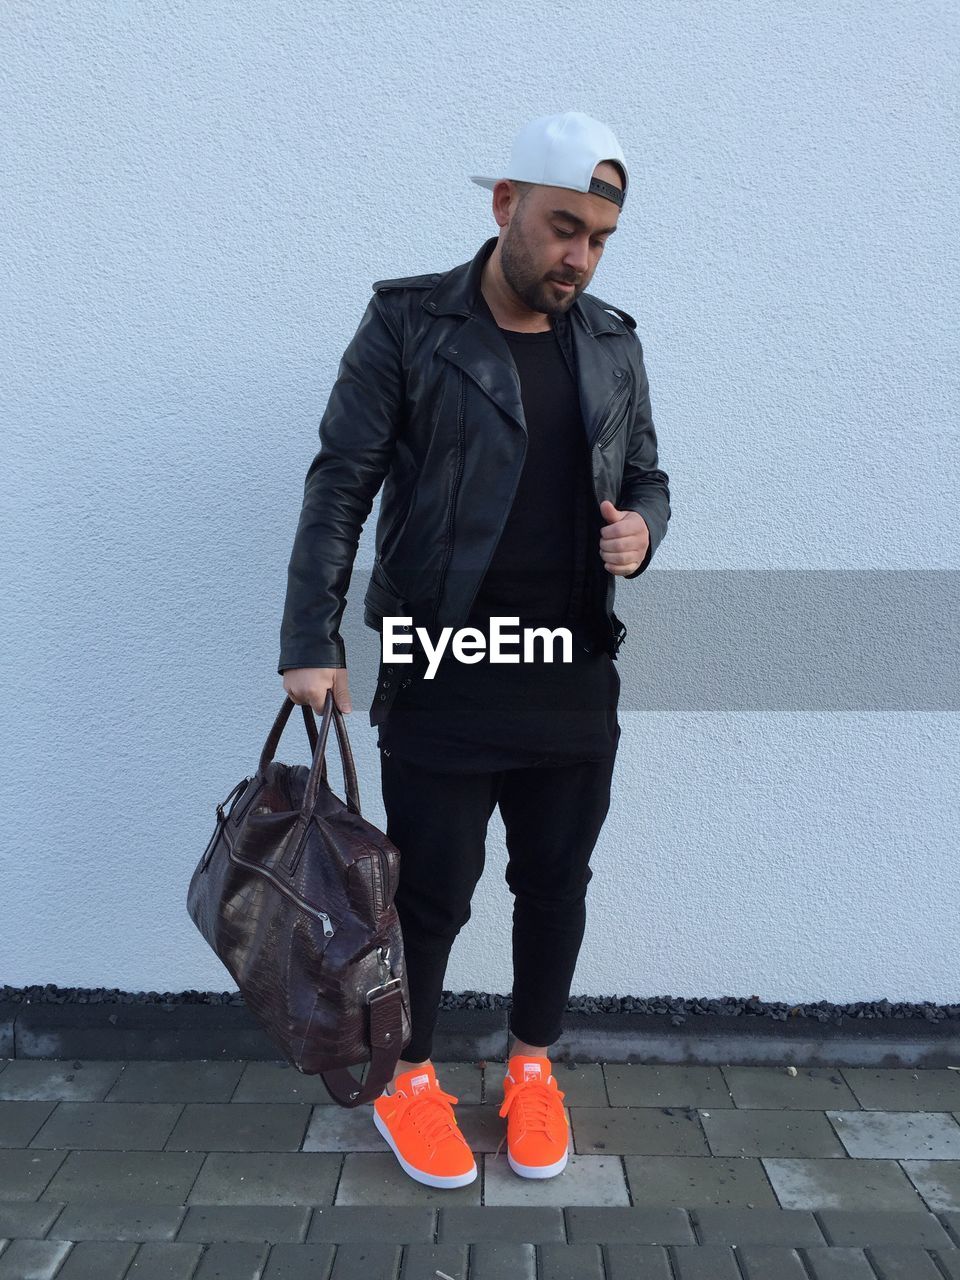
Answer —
438 821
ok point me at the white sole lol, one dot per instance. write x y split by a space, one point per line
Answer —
429 1179
538 1171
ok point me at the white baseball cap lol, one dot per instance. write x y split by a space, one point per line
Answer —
563 151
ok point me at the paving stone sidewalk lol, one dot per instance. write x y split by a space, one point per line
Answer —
198 1170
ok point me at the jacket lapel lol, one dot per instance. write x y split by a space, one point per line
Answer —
599 373
478 348
484 356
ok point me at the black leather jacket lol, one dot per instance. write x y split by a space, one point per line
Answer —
427 404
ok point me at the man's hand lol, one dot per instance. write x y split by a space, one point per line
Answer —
624 539
309 685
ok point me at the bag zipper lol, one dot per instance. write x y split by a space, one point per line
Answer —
285 890
384 875
222 818
381 876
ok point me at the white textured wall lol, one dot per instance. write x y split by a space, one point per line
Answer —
196 198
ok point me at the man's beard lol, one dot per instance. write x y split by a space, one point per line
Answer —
527 283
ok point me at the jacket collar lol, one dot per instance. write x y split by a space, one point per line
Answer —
457 291
480 350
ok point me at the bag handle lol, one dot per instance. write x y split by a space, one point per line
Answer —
318 742
352 786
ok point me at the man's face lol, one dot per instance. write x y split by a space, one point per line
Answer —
551 246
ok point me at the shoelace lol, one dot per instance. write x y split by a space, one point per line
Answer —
431 1116
533 1099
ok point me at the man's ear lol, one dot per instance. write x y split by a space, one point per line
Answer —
505 200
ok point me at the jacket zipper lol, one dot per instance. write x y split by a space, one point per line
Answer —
503 525
611 430
448 548
285 890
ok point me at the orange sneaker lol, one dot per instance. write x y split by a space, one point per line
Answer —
538 1131
418 1123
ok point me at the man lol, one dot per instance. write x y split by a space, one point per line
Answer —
506 412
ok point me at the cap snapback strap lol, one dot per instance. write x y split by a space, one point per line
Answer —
600 188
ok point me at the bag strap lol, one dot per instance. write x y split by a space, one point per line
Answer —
386 1046
346 753
317 773
311 727
318 742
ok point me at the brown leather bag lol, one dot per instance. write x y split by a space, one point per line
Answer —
294 893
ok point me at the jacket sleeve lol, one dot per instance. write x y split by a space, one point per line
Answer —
645 488
357 435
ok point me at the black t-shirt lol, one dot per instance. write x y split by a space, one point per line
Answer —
546 571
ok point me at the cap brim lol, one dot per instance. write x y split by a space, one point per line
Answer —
489 183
